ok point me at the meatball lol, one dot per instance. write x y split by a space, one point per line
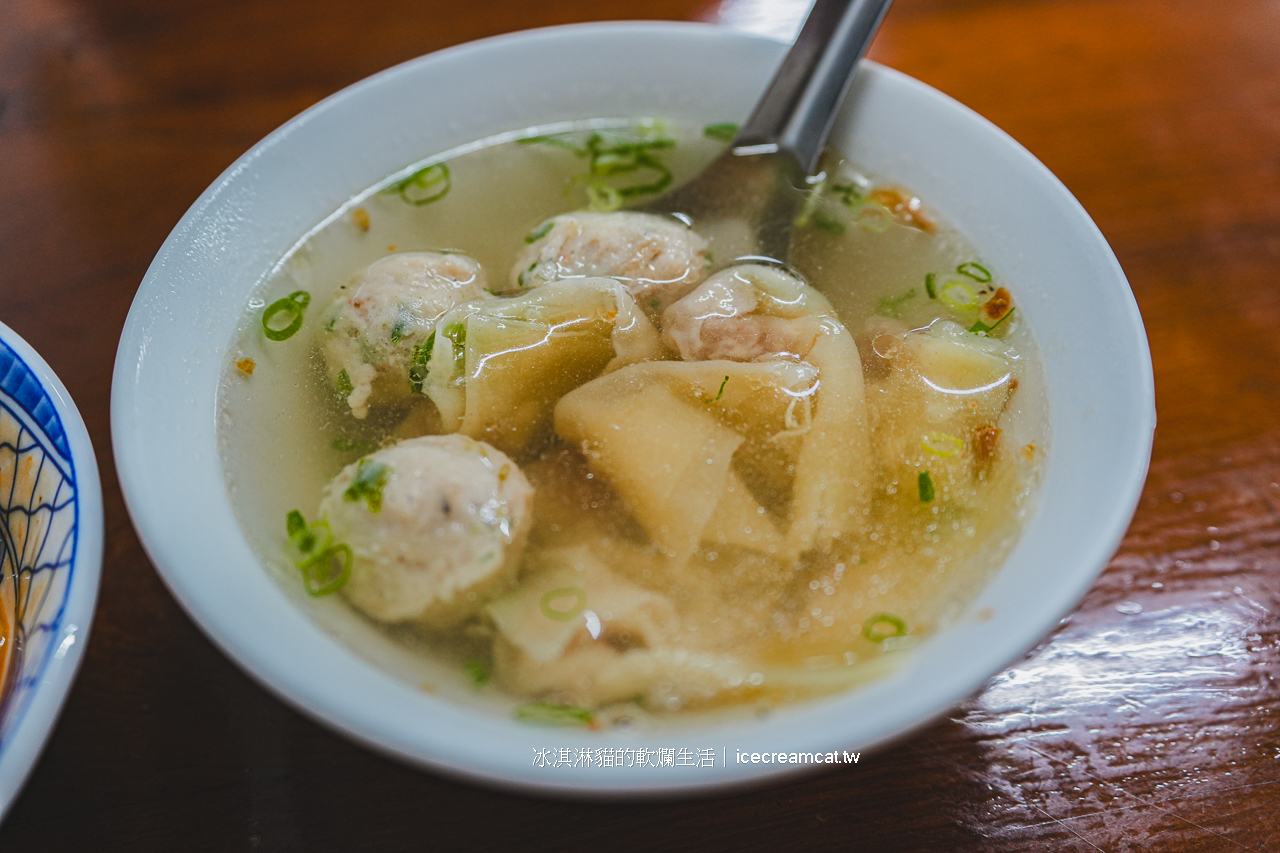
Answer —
657 258
437 526
388 309
745 313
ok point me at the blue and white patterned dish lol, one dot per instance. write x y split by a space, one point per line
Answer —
50 553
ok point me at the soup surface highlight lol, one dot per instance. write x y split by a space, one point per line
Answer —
516 443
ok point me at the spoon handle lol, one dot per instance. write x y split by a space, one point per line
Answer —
797 109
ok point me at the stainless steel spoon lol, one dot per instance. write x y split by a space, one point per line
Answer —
760 179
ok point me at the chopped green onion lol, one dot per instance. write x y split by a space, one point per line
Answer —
603 198
321 575
891 306
925 484
343 383
520 279
305 536
476 671
725 131
883 626
292 307
561 614
873 216
418 365
975 271
370 477
811 200
827 222
294 523
654 303
959 296
848 193
983 328
424 186
719 393
942 444
397 330
348 445
551 714
457 332
325 567
610 155
554 141
931 285
541 231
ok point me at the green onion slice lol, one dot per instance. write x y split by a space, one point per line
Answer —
975 271
291 307
811 200
724 131
343 383
476 671
603 198
719 393
942 444
925 484
882 626
457 333
554 142
541 231
611 155
891 306
872 216
959 296
848 193
563 614
982 327
418 364
325 566
551 714
826 222
370 477
328 571
931 285
427 185
305 537
397 329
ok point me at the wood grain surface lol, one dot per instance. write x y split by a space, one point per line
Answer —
1150 720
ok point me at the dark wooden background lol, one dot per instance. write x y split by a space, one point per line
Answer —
1149 721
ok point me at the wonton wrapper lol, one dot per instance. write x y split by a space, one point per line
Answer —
943 384
727 452
620 646
522 354
833 471
668 461
611 606
754 312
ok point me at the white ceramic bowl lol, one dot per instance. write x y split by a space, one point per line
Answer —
50 552
1069 286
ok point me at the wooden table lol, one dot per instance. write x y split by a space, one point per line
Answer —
1149 721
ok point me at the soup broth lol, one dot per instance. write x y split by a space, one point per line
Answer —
861 442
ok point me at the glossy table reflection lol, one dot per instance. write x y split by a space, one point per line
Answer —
1149 721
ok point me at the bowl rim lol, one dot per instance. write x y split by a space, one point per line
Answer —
54 675
344 714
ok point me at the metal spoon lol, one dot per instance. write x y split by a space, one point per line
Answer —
760 179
